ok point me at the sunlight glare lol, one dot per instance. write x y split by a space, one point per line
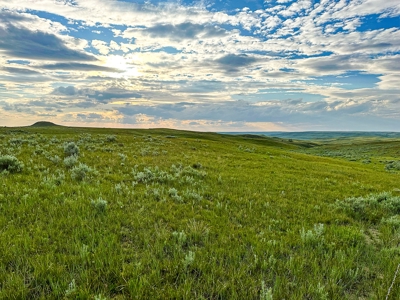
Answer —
120 63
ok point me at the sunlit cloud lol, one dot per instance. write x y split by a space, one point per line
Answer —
215 65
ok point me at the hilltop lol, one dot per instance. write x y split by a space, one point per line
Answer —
43 124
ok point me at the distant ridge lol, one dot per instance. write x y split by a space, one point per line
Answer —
320 135
43 124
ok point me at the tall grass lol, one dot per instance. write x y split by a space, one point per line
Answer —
196 217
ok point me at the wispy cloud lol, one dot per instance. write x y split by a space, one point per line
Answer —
281 64
77 67
24 43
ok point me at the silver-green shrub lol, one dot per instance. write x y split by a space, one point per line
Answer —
393 221
55 160
111 138
81 172
100 205
266 293
70 161
393 166
189 258
71 149
16 141
173 193
192 195
313 237
11 164
53 180
371 207
180 238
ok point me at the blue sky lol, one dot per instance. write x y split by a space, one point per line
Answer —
206 65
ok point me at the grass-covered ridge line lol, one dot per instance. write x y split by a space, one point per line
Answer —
161 214
325 135
43 124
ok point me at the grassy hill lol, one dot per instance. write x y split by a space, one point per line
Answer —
326 135
43 124
163 214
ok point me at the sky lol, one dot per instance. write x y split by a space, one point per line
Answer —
210 65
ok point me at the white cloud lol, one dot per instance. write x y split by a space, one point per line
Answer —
173 53
101 46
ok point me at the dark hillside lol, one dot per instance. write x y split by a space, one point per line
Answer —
43 124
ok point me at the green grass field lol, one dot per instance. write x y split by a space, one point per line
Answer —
164 214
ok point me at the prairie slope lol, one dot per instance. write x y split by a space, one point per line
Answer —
177 214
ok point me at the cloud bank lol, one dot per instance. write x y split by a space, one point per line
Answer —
258 65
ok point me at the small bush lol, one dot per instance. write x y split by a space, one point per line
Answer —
54 180
119 188
192 195
70 161
179 171
156 194
55 160
313 237
266 293
11 164
122 156
173 193
180 238
152 175
370 208
54 140
189 259
16 141
100 205
111 138
38 150
393 166
71 149
71 288
393 221
146 176
197 165
81 172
